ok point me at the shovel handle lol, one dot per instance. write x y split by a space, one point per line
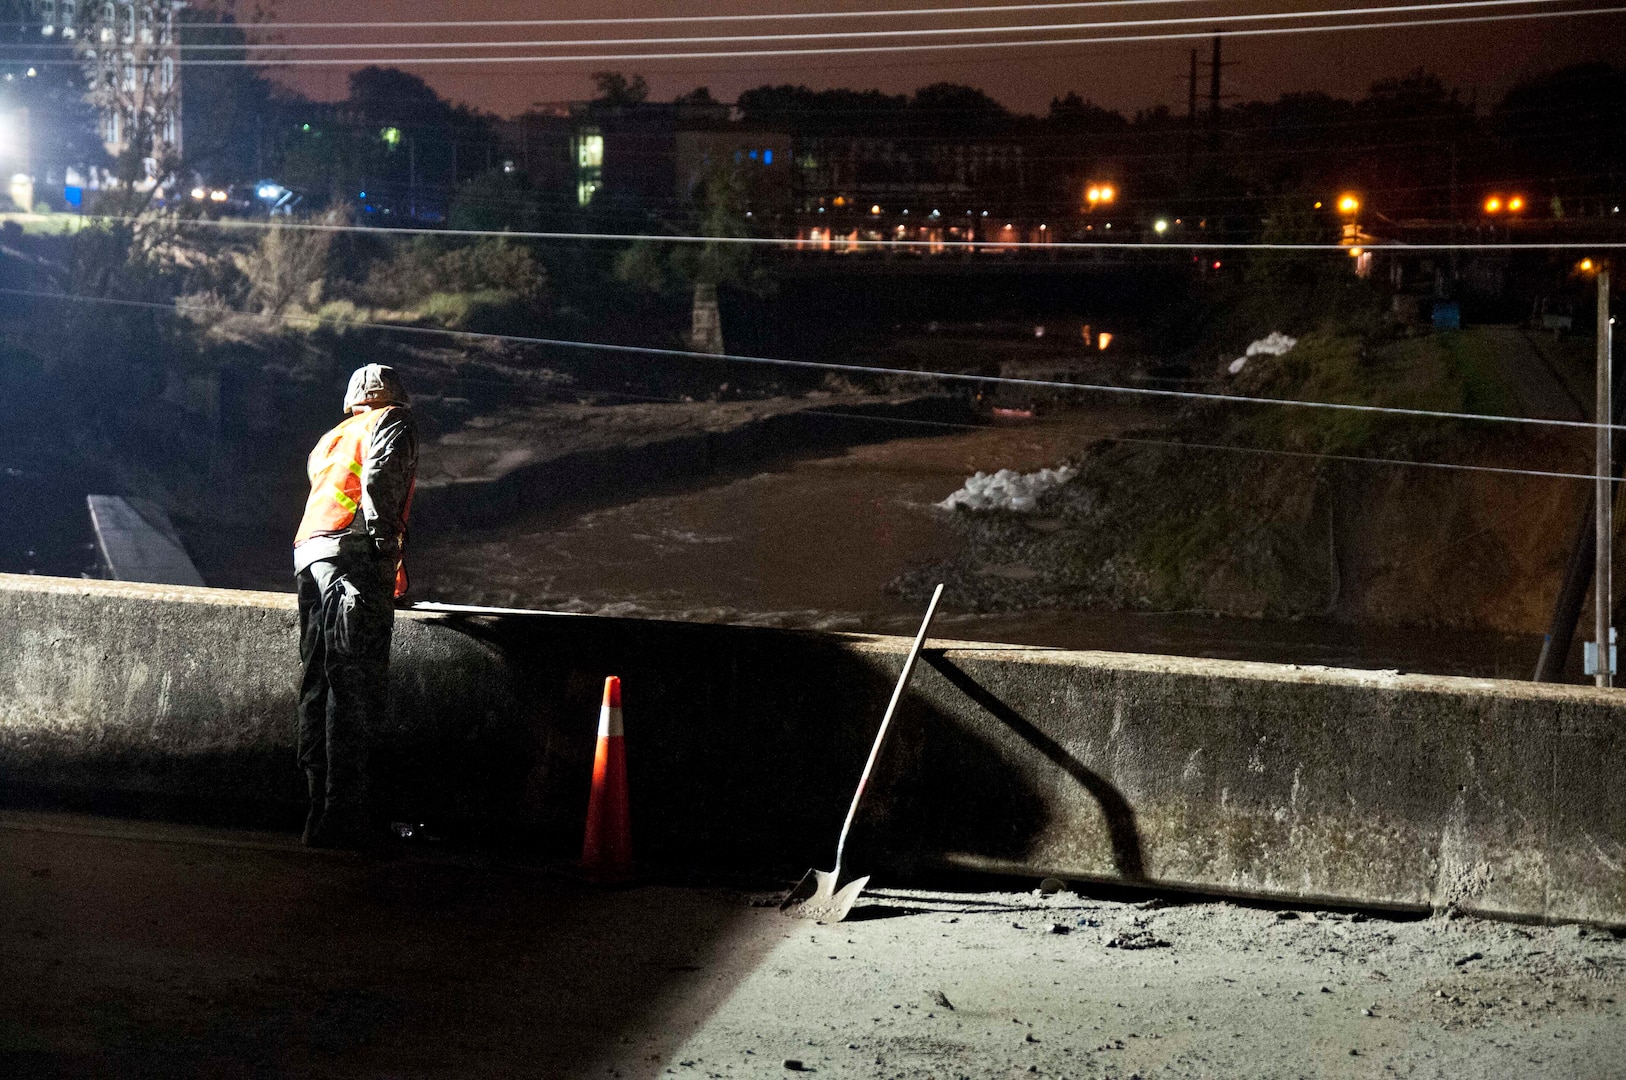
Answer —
886 722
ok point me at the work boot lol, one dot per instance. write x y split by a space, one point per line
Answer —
317 784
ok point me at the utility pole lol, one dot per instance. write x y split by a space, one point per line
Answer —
1191 115
1214 66
412 177
1605 497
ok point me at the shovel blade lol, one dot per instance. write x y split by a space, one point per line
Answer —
816 897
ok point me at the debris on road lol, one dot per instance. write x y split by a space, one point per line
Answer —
1136 939
770 994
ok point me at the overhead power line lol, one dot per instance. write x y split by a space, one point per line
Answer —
777 16
970 245
529 395
1033 28
852 369
849 50
1183 445
1180 444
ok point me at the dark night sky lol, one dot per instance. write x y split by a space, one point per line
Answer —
1484 58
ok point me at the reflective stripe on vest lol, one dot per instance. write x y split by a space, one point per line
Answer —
335 474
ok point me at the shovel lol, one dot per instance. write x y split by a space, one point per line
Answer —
816 896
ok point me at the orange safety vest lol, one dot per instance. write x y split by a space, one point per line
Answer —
335 473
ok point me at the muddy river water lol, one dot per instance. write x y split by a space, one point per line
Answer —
816 543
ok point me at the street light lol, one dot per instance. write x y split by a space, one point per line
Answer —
1348 203
1515 204
1161 225
1493 205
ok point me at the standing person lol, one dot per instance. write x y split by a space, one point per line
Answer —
348 563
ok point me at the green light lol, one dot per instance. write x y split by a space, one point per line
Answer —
392 137
304 127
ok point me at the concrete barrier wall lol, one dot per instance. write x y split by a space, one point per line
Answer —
180 702
744 743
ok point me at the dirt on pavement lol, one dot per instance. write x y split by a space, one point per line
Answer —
133 949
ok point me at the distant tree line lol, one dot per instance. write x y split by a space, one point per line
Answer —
1412 145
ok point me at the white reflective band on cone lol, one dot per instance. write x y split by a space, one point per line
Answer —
609 722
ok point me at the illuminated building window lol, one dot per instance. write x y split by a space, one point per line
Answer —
589 165
169 72
590 151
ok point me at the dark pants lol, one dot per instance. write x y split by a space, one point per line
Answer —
346 616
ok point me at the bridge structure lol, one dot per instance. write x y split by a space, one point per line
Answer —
1285 783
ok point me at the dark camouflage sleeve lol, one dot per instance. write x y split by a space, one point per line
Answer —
387 473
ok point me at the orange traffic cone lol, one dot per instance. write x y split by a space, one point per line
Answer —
607 845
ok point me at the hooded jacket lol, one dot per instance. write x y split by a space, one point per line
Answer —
389 465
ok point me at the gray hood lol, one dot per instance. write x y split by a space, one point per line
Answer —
375 386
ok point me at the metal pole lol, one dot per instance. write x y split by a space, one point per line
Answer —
1191 115
1605 502
1555 647
1214 82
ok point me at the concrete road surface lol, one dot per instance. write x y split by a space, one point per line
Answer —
138 950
